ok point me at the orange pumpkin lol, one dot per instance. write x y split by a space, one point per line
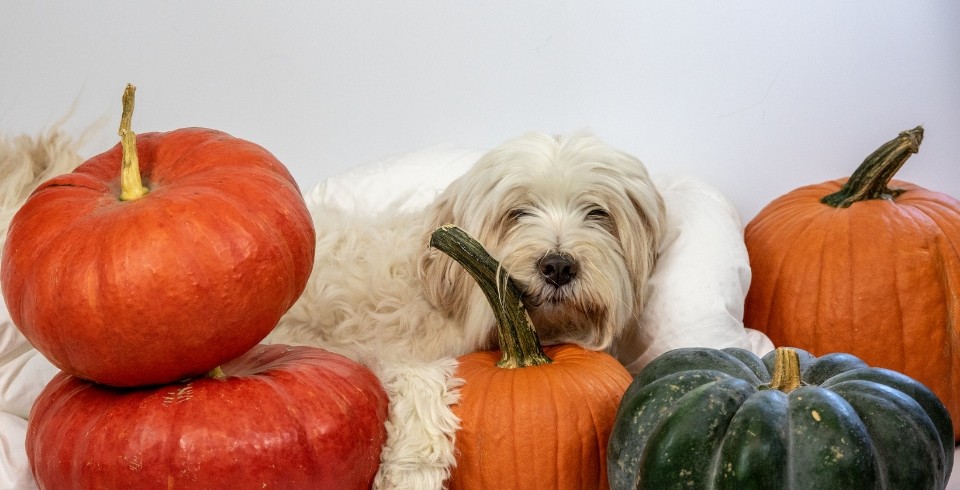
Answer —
275 417
159 259
528 421
865 265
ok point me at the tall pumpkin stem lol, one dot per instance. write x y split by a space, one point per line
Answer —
131 185
872 177
786 370
518 339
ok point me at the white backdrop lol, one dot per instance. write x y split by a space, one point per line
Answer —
756 97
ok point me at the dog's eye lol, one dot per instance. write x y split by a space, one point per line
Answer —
518 213
598 214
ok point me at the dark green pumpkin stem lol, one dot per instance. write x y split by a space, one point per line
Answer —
786 370
518 339
872 177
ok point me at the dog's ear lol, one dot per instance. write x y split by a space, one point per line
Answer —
445 283
644 233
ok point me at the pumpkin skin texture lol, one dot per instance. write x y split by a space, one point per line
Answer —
283 417
879 279
541 426
167 286
705 418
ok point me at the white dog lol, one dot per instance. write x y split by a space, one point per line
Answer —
575 222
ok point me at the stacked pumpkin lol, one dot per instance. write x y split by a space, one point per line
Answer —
151 292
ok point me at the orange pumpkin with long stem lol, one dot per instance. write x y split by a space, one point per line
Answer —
531 417
866 265
159 259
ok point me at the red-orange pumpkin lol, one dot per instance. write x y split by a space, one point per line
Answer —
530 417
866 266
129 289
280 417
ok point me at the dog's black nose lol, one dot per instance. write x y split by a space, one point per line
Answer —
557 269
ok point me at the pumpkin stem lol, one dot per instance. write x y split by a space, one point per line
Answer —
217 373
786 370
131 185
518 339
872 177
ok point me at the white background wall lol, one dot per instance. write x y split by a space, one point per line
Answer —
757 97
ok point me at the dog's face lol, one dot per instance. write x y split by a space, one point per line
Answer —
576 223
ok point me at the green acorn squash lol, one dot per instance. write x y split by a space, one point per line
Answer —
726 419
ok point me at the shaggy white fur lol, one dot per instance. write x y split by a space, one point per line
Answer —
353 300
577 223
26 162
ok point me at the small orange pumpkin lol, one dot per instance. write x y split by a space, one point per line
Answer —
528 421
866 266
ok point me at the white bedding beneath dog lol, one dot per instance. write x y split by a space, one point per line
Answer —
697 288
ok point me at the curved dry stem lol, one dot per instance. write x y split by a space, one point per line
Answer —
871 179
518 339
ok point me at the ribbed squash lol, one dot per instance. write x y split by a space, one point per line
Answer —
700 418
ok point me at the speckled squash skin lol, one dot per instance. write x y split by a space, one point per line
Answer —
706 418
